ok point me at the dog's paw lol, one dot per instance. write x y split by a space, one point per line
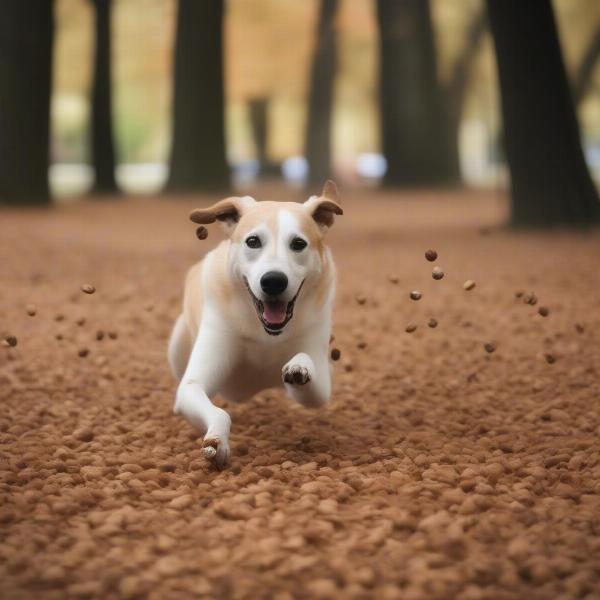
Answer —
295 374
216 450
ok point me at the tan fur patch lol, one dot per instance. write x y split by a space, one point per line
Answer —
261 213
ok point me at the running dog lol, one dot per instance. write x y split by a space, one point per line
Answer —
256 311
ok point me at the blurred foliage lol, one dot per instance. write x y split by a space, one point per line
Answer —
268 50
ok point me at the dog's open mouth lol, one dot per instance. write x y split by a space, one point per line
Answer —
273 314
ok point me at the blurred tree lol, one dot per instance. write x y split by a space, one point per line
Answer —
258 109
588 63
454 94
198 160
550 182
413 128
102 144
26 36
317 143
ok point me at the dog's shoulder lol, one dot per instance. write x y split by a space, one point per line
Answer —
206 278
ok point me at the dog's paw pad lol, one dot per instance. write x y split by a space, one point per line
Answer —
296 375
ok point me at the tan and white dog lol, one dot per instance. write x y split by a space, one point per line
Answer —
256 311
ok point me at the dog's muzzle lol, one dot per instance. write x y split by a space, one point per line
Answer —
274 315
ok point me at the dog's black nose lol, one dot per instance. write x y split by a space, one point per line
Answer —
273 283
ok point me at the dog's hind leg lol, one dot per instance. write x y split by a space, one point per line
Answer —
307 380
180 347
207 370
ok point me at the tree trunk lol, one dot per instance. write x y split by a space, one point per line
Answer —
198 161
550 182
454 97
26 35
410 95
320 99
586 68
102 144
257 108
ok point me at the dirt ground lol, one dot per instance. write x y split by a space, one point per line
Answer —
439 470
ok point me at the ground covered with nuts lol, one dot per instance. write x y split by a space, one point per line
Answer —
459 459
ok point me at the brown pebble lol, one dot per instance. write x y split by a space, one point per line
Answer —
181 502
59 318
519 293
469 284
113 335
201 232
414 295
543 311
99 334
579 328
361 345
10 340
31 310
88 288
437 273
410 328
80 321
335 354
83 352
489 347
431 255
530 299
59 336
360 299
393 279
432 323
84 434
550 358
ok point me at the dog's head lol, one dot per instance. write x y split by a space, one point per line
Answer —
277 248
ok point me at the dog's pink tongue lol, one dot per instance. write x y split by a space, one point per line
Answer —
274 312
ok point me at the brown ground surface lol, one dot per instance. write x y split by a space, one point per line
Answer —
438 471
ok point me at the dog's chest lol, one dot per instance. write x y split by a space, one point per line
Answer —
266 355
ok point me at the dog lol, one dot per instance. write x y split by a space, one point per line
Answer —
257 311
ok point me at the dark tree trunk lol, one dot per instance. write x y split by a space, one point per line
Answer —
320 99
586 68
257 108
410 95
454 97
198 161
550 182
26 35
102 144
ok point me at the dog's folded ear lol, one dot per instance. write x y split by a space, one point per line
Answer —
228 212
324 207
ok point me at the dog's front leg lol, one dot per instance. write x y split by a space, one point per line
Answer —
307 380
207 368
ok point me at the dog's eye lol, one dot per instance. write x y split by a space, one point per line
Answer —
298 244
253 242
